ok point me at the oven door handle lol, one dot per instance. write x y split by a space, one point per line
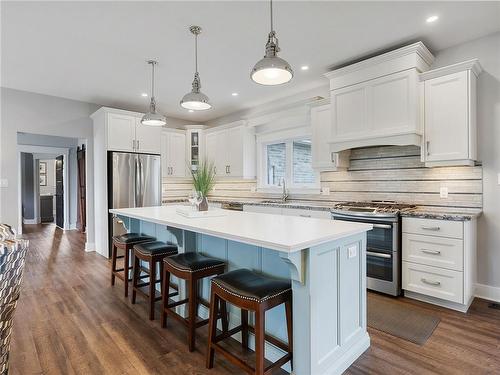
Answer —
379 255
382 226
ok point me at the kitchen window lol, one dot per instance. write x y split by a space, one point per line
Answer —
290 160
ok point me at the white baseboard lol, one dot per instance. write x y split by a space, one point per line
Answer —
31 221
89 246
491 293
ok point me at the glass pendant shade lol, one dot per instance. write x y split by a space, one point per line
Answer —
153 118
195 100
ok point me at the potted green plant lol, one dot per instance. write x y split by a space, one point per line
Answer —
203 182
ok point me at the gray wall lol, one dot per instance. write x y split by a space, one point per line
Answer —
27 188
487 50
39 114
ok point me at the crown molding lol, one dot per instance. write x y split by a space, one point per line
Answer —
472 65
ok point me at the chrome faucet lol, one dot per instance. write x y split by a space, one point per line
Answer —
284 194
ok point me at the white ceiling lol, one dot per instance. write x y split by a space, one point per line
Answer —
96 52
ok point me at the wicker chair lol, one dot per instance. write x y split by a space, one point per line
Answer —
12 258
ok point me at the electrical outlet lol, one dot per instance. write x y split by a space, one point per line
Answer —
4 182
352 251
443 192
325 191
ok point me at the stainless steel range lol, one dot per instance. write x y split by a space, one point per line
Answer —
383 248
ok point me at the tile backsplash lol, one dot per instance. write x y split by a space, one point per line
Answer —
392 173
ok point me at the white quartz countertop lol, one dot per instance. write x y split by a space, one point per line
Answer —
277 232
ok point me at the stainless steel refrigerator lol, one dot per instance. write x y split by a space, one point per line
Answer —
134 180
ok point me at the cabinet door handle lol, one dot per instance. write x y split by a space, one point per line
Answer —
137 144
303 215
430 282
172 170
427 147
378 255
433 252
434 229
215 170
229 169
133 144
332 157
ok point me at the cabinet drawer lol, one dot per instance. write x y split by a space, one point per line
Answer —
434 251
433 281
432 227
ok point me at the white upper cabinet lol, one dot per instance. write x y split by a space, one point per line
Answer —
450 115
321 127
375 102
232 150
121 132
147 138
125 132
173 153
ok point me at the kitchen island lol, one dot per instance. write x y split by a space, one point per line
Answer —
326 261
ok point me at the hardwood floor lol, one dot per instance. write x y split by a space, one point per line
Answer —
71 321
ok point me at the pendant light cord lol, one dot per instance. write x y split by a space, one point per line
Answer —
271 7
196 53
153 79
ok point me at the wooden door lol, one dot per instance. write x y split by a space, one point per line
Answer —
59 192
81 221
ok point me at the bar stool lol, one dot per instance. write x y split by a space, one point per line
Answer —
249 291
152 253
191 267
125 242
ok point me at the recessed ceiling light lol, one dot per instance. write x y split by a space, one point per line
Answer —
191 111
304 67
432 19
144 94
234 94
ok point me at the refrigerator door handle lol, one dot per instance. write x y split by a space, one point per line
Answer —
136 183
141 183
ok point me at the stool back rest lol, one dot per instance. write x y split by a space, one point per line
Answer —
12 260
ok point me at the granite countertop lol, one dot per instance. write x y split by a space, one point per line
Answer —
438 213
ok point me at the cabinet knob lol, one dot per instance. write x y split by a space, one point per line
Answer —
427 147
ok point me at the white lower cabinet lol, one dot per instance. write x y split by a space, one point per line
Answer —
433 281
439 261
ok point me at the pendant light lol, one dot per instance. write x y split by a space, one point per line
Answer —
272 70
195 100
152 118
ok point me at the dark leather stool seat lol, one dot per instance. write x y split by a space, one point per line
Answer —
125 242
152 253
191 267
193 262
129 238
249 291
156 248
251 285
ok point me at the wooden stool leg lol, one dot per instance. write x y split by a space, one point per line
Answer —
244 328
193 299
136 271
126 269
259 341
152 289
289 328
161 278
114 250
212 328
164 297
223 312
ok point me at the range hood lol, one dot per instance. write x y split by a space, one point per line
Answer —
377 101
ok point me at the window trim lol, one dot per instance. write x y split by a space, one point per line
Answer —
287 137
